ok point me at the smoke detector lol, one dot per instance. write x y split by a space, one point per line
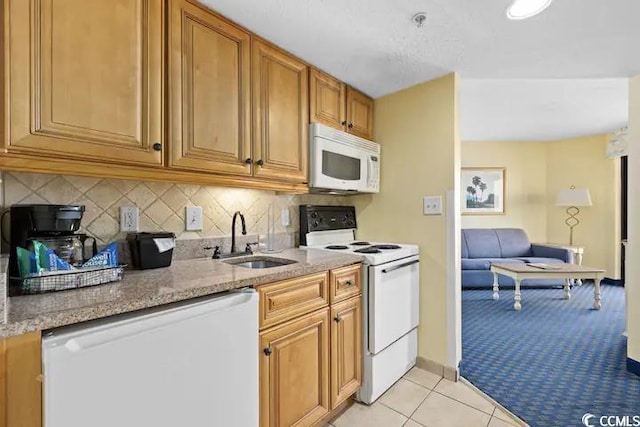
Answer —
419 19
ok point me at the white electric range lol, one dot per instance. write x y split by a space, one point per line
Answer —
390 292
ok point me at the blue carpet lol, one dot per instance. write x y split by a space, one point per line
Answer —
555 360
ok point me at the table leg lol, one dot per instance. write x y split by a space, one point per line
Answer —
496 295
597 303
567 289
578 260
516 305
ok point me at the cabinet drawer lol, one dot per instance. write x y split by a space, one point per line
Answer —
346 282
285 300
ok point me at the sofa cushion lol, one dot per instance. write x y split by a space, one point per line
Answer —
513 242
480 243
475 264
485 263
541 259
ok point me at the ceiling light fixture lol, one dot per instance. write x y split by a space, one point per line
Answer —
523 9
419 19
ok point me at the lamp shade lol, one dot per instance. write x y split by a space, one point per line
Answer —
574 197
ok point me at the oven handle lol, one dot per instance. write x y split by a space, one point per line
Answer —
397 267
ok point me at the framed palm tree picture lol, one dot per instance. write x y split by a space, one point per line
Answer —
483 191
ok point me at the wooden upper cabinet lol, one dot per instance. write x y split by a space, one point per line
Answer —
294 372
359 114
280 114
210 98
346 349
327 100
84 79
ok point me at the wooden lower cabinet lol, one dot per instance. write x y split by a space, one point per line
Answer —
294 372
20 381
346 349
310 362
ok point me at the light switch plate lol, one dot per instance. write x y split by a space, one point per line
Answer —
432 205
129 218
193 218
286 220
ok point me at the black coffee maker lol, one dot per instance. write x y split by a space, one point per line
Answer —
56 227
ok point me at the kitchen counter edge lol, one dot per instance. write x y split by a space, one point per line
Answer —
145 289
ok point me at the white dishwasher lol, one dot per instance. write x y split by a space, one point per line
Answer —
194 365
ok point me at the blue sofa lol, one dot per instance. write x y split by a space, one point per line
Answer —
482 246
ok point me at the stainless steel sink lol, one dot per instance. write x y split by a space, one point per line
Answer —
260 262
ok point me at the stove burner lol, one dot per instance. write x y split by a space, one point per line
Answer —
340 247
386 246
369 250
360 244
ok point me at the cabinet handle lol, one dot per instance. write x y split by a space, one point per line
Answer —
249 161
343 123
337 319
350 126
157 146
260 162
348 283
267 351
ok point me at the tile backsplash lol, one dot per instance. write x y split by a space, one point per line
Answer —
161 205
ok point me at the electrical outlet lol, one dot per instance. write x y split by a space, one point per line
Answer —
286 220
193 218
432 205
128 218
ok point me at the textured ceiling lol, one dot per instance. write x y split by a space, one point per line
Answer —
532 110
374 46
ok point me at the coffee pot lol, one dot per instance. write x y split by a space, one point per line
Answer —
75 249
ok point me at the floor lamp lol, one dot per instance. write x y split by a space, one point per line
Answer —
572 198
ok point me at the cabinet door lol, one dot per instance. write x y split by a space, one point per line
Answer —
327 100
20 381
280 113
210 100
346 349
294 372
85 79
359 114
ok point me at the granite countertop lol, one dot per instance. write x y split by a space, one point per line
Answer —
150 288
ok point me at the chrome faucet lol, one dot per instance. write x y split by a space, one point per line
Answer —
233 230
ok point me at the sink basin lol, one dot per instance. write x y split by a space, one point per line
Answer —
261 262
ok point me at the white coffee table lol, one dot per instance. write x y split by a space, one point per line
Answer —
519 272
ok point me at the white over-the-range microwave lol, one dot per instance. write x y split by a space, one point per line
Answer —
341 163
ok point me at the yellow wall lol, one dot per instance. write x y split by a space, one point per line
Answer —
582 162
633 247
420 156
526 184
536 172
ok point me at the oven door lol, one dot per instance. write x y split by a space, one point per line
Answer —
394 292
337 166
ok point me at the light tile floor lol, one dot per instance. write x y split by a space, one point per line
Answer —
423 399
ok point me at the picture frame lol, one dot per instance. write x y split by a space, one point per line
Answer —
482 191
